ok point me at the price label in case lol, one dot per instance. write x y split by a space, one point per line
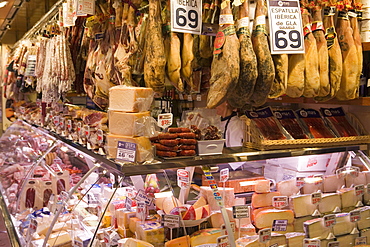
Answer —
333 244
186 16
355 216
280 201
279 225
224 175
223 241
126 151
56 120
360 240
286 32
330 220
165 120
69 125
183 179
240 211
368 188
171 221
142 197
224 230
300 183
360 189
311 242
316 198
264 235
274 245
128 203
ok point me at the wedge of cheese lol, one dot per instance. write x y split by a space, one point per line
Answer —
298 223
312 185
315 228
205 236
348 197
256 211
59 239
248 241
143 147
123 217
152 232
364 221
295 239
287 187
343 225
276 240
266 218
127 124
263 200
347 240
332 183
258 186
132 242
217 220
130 99
302 205
352 180
247 230
330 203
183 241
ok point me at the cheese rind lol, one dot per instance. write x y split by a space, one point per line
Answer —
127 124
205 236
347 240
263 200
265 218
364 221
298 223
130 99
183 241
132 242
302 205
315 228
276 239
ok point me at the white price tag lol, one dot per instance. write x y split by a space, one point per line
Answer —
300 183
224 175
241 211
69 125
186 16
171 221
190 97
181 96
279 225
280 201
223 241
264 235
100 136
333 244
360 189
224 230
128 204
199 97
56 120
183 179
316 198
126 151
360 240
330 220
311 242
286 32
355 216
165 120
87 132
142 197
31 65
141 210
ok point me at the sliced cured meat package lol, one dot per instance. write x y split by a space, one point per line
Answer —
337 120
315 123
267 125
289 121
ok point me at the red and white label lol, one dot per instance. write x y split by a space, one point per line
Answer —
264 235
360 189
316 198
224 175
280 201
330 220
183 179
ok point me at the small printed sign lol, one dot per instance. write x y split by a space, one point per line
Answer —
141 210
316 198
333 244
171 221
224 175
311 242
279 225
264 235
183 178
360 189
128 204
223 241
280 201
241 211
142 197
355 216
165 120
360 240
186 16
126 151
330 220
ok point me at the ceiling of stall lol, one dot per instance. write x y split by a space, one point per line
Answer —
19 16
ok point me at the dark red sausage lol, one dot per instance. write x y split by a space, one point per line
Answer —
187 153
187 135
188 141
187 147
167 136
166 153
165 148
170 143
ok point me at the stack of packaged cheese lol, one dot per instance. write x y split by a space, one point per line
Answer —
128 106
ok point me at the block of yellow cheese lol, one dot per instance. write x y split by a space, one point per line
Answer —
265 218
332 183
287 187
132 242
183 241
132 224
330 203
217 220
353 180
227 196
152 232
123 217
347 240
295 239
130 99
343 224
205 236
143 146
276 240
315 228
298 223
249 241
256 211
302 205
59 239
258 186
127 123
263 200
364 221
348 198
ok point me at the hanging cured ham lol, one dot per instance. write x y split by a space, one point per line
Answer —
357 39
225 65
187 58
295 84
173 65
265 65
279 87
248 62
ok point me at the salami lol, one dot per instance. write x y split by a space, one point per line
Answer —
186 135
187 153
170 143
167 136
161 147
187 147
188 141
166 153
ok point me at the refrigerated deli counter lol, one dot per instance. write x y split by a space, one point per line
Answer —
57 193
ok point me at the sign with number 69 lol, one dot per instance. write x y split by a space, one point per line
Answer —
186 16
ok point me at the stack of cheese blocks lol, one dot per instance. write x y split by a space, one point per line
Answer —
127 105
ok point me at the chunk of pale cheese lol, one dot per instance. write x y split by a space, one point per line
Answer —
295 239
287 187
298 223
127 124
329 203
227 196
183 241
263 200
332 183
276 239
205 236
364 221
130 99
302 205
343 224
353 180
347 240
315 228
348 197
152 232
258 186
312 185
265 218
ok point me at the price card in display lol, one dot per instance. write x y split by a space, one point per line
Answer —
300 183
199 97
87 131
333 244
79 128
128 204
100 136
224 230
56 120
355 216
190 97
368 188
183 179
171 221
279 225
61 123
311 242
126 151
141 210
330 220
165 120
223 241
360 240
316 198
264 235
186 16
280 201
240 211
286 32
69 125
360 189
142 197
224 175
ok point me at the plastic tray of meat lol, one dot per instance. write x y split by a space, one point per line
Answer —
337 120
315 123
267 125
289 121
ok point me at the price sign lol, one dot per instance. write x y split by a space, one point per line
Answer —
280 201
128 203
286 32
171 221
186 16
87 132
223 228
69 125
190 97
333 244
79 128
100 136
300 183
126 151
241 211
279 225
141 210
316 198
330 220
142 197
355 216
56 120
165 120
311 242
264 235
360 189
224 175
360 240
61 123
183 179
223 241
199 97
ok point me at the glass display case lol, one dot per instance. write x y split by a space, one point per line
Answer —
57 193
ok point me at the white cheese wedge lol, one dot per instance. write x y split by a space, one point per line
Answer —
332 183
266 218
347 240
263 200
298 223
295 238
205 236
315 228
276 239
364 221
287 187
130 99
348 197
127 124
227 196
302 205
312 185
248 241
343 224
352 180
329 203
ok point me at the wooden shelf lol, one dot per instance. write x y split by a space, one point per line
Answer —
362 101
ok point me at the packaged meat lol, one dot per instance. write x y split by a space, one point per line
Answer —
315 123
267 125
337 120
289 121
